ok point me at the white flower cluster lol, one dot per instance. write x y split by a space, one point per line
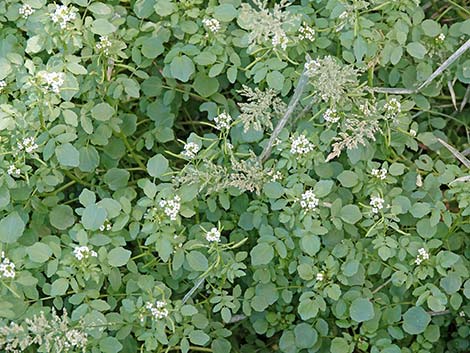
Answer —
422 255
275 175
367 109
320 276
222 121
3 84
28 144
300 145
212 24
7 268
379 173
52 80
190 150
312 67
106 226
280 39
158 310
377 203
25 11
75 338
331 115
440 38
308 200
84 252
171 207
63 15
392 108
306 32
104 44
213 235
13 171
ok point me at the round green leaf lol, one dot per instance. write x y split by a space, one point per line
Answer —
118 256
273 190
305 336
225 12
348 179
110 345
261 254
205 86
67 155
275 80
61 217
415 320
59 287
182 68
416 50
102 27
93 217
339 345
11 228
102 111
157 166
197 261
361 310
351 214
39 252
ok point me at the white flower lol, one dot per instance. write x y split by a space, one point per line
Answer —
3 84
190 150
28 144
379 173
275 175
212 24
413 132
157 310
7 268
62 15
213 235
306 32
312 67
280 39
26 10
13 171
83 252
75 338
367 109
171 207
462 313
331 116
392 108
301 145
320 276
222 121
440 37
377 203
106 226
422 255
104 44
308 201
52 80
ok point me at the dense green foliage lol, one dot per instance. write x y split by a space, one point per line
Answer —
136 214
